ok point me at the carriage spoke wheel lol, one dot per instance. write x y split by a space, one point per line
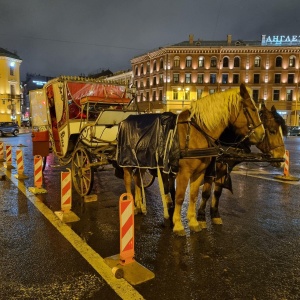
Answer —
82 174
148 179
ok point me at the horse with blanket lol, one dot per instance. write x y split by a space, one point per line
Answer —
189 145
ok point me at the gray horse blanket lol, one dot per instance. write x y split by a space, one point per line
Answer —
149 141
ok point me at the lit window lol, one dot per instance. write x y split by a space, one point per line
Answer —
292 61
257 61
188 78
201 62
289 95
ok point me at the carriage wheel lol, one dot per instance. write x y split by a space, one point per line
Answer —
148 179
82 174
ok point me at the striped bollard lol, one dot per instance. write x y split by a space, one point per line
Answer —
66 215
66 191
286 169
20 165
123 264
1 152
38 176
8 164
126 212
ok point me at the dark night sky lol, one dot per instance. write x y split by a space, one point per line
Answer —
70 37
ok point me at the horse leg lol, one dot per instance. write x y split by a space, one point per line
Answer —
179 198
214 208
139 199
172 194
127 181
191 213
163 183
223 181
206 193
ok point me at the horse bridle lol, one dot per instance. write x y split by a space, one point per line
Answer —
250 122
266 141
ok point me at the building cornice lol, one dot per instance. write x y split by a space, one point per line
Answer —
216 50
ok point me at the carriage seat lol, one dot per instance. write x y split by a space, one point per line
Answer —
104 100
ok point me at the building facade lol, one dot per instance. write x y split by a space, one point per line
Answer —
169 78
10 87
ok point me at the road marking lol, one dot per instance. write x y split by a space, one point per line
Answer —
120 286
253 173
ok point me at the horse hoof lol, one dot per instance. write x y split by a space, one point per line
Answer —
217 221
203 224
195 228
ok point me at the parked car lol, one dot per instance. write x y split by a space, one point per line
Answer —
9 128
294 131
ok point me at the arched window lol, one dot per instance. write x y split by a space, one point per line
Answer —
236 62
278 61
225 62
188 62
176 61
142 69
136 70
213 62
161 65
154 66
292 61
201 61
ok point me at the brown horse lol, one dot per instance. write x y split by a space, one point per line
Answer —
272 146
198 129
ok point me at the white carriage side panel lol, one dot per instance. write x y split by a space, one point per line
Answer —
61 110
113 117
38 108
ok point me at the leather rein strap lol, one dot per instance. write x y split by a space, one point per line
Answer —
212 150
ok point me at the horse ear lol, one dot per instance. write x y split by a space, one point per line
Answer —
244 92
273 108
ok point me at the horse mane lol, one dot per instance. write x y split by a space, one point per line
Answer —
280 120
213 110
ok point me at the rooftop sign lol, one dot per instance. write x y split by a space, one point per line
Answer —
278 40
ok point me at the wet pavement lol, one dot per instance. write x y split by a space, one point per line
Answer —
253 255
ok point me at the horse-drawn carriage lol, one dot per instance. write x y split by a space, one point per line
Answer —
82 118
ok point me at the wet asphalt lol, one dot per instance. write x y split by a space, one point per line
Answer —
253 255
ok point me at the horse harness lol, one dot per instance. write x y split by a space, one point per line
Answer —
213 149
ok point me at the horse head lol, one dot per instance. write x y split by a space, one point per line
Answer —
248 122
275 127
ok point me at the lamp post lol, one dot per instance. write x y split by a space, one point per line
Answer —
184 93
